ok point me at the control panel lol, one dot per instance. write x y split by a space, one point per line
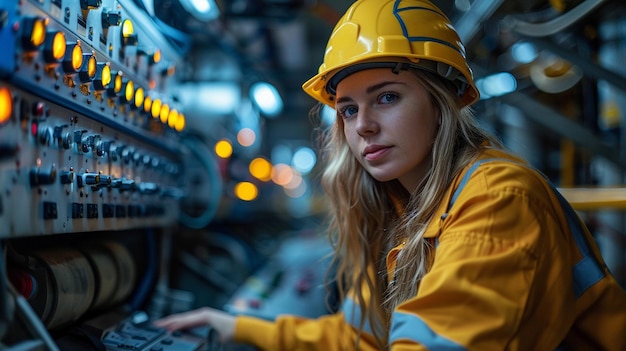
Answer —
137 333
96 167
90 129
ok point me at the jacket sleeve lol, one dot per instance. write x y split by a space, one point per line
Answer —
500 278
327 333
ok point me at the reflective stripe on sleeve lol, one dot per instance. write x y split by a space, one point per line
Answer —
352 314
587 271
411 327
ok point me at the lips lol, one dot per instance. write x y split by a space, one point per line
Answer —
374 152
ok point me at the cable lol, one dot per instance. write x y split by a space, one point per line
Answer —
175 36
33 322
152 262
557 24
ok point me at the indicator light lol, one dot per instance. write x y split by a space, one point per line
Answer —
147 104
92 67
103 76
156 108
33 128
6 104
173 118
139 97
127 28
118 80
165 113
54 47
128 90
156 57
180 123
223 148
34 32
261 169
246 191
170 71
39 109
128 33
88 69
73 60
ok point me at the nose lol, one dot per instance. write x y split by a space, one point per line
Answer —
366 123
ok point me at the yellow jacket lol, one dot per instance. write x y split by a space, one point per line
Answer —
514 269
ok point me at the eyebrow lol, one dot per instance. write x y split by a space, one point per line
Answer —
371 89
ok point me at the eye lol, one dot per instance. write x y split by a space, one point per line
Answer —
348 111
387 98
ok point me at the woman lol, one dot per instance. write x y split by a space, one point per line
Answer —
443 239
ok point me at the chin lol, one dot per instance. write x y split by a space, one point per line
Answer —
382 177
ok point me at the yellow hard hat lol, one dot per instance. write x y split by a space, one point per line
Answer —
397 34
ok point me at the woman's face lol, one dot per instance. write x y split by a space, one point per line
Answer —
389 123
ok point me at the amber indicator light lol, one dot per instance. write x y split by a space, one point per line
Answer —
6 104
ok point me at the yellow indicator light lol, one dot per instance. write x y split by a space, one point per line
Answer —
128 33
103 76
92 67
156 108
246 191
127 28
129 91
156 57
172 119
246 137
139 97
58 45
73 58
77 57
106 75
117 84
89 69
165 113
282 174
147 104
180 123
6 104
223 148
38 32
261 169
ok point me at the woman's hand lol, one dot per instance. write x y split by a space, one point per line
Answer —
222 322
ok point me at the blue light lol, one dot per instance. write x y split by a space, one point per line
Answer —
218 97
524 52
496 85
266 97
304 160
203 10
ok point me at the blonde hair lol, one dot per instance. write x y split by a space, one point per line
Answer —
368 217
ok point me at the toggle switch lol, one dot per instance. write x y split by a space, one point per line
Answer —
67 177
40 176
123 184
94 180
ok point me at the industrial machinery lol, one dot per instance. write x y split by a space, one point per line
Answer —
94 169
